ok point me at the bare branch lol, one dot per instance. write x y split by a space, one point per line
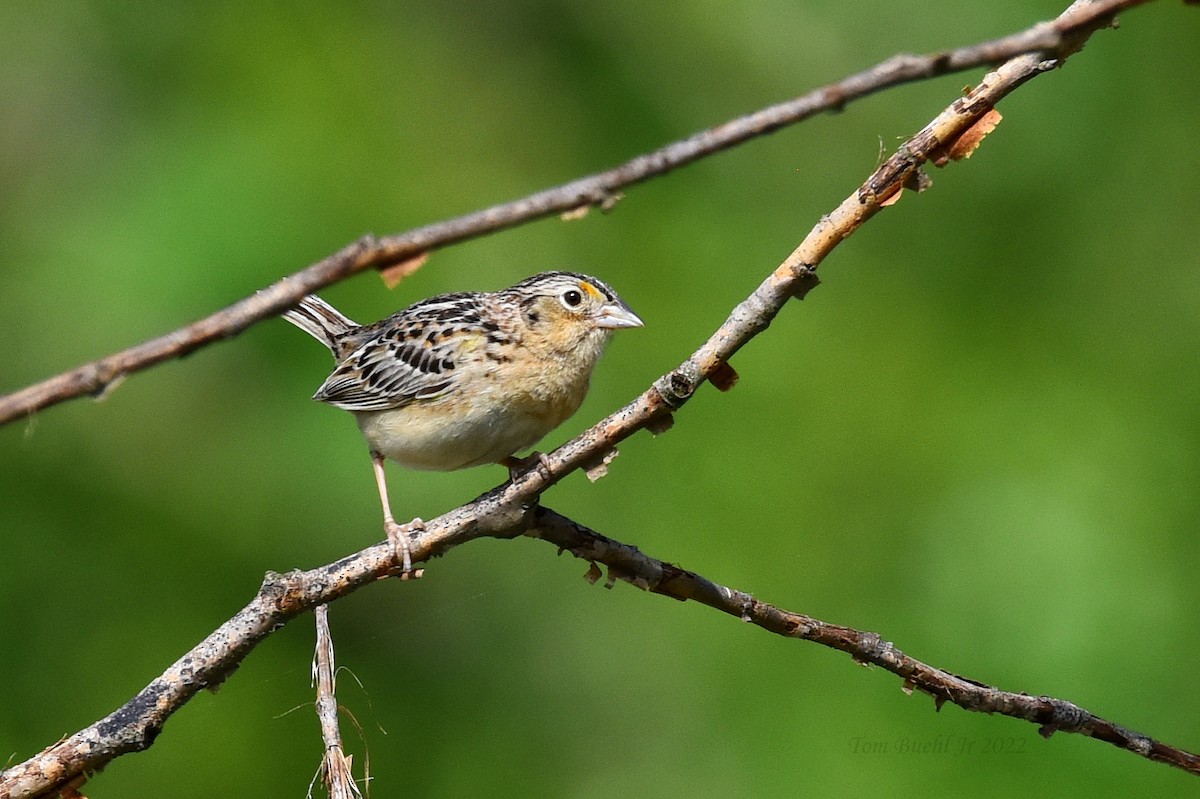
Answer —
336 769
134 726
1051 715
1056 39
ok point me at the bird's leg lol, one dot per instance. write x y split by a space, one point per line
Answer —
519 466
397 533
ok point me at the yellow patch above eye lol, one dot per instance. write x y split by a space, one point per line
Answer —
591 290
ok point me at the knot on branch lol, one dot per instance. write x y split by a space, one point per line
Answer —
101 378
600 197
678 386
284 592
507 518
804 280
871 648
1063 716
367 244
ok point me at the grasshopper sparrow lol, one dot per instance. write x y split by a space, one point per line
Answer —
465 379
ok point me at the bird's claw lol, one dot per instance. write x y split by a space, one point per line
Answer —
519 466
398 536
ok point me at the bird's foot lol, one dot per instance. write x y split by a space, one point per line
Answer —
398 535
519 466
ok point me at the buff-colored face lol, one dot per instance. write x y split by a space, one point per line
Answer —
569 308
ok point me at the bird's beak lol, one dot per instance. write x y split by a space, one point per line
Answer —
616 315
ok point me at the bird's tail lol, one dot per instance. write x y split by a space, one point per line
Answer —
320 320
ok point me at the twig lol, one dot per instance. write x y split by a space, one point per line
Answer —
336 771
1058 37
506 510
1051 715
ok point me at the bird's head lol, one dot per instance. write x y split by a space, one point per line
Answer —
570 310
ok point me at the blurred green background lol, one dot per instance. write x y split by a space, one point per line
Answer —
978 438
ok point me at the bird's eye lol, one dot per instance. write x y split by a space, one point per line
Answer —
571 298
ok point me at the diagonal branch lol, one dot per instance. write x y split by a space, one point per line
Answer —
1057 38
1050 714
511 509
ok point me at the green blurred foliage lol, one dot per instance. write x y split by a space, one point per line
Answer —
979 437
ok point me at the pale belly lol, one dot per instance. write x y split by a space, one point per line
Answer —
427 437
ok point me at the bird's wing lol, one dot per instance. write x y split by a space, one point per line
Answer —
408 357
